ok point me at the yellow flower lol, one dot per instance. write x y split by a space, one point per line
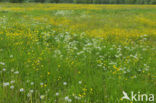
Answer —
72 63
80 95
45 85
91 89
84 93
59 66
37 69
84 89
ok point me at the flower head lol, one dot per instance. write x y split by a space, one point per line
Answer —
21 90
64 83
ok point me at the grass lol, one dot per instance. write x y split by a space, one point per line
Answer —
76 53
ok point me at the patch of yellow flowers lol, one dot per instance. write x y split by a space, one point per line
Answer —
67 23
48 6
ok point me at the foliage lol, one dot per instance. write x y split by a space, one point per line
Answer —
88 1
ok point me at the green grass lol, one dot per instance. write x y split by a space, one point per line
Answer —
41 51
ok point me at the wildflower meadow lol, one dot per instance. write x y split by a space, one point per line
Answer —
77 53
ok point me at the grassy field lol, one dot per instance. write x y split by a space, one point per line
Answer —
61 53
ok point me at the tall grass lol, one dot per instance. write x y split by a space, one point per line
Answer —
70 53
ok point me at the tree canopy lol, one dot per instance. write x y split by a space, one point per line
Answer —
87 1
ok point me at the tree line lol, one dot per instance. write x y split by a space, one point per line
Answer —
87 1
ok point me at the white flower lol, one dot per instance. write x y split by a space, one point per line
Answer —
69 100
6 84
66 98
32 83
42 97
11 56
78 98
57 94
12 70
12 87
13 81
2 63
4 69
31 91
41 83
21 90
64 83
80 82
28 81
16 72
29 94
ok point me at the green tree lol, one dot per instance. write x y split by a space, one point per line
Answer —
16 1
74 1
56 1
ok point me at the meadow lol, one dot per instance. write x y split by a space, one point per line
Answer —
76 53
